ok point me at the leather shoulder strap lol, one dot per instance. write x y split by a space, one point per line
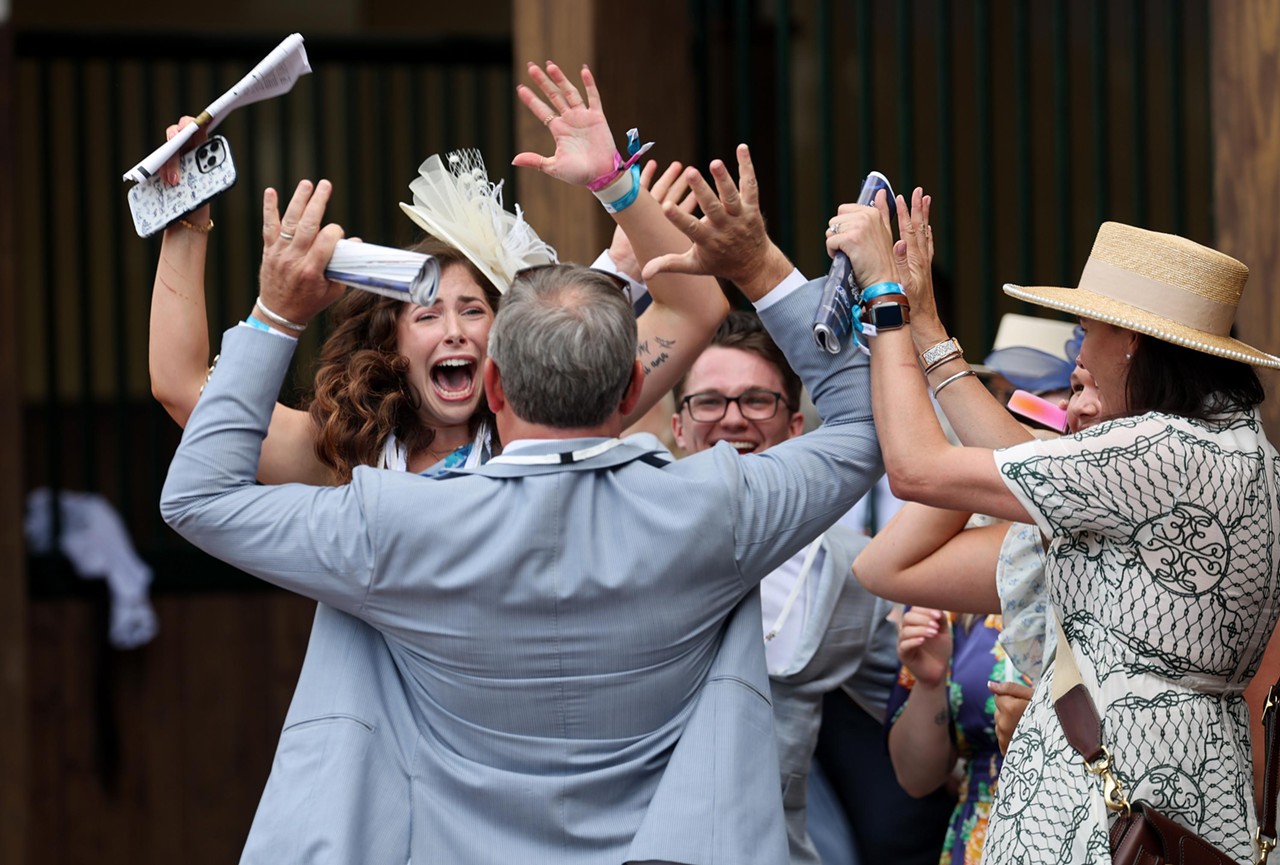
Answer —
1072 703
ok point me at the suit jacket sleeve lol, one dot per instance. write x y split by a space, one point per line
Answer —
311 540
796 490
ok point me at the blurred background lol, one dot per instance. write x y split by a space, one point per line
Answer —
1031 121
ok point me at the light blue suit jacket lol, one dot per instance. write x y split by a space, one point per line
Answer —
846 640
582 679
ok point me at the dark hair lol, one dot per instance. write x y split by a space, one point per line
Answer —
1165 377
744 331
362 392
565 343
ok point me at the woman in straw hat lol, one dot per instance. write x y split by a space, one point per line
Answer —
398 387
1160 521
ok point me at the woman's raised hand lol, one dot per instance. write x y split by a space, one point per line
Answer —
170 170
584 145
914 255
924 645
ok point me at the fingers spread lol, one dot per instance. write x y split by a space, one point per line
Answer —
532 160
663 185
536 106
646 175
672 262
707 199
747 176
727 189
589 84
270 216
313 214
297 204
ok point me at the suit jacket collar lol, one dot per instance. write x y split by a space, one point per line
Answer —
580 454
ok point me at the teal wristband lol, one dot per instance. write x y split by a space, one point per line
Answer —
880 289
620 204
256 324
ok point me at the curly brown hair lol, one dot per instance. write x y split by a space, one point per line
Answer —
362 392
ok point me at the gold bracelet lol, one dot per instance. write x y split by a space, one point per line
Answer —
198 229
939 353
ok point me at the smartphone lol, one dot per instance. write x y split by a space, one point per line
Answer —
205 171
1039 410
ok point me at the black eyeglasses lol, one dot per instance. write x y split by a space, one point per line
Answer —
618 282
754 404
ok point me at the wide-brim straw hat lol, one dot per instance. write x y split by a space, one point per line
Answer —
454 201
1161 285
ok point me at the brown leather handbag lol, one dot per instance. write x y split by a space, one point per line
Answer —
1141 835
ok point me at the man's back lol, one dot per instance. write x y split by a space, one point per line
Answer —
558 620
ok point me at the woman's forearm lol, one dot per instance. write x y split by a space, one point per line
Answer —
686 309
920 740
178 342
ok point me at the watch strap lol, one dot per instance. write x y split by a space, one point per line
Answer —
939 353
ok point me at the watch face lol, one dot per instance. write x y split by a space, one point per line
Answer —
887 316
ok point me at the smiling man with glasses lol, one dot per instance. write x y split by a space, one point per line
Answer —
740 390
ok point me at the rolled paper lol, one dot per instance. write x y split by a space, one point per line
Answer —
408 276
841 299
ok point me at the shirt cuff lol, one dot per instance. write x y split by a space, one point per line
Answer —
268 329
635 290
782 290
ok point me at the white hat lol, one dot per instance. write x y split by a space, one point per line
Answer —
459 205
1034 354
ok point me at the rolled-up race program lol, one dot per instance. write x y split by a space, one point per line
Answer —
841 296
398 273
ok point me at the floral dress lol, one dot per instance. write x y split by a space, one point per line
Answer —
976 657
1163 566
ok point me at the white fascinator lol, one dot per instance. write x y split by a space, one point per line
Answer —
454 201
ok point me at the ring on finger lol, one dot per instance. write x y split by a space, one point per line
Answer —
285 236
834 228
546 121
928 231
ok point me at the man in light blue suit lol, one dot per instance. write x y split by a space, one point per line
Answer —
576 623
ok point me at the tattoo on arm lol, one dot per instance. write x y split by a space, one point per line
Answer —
664 343
655 363
941 718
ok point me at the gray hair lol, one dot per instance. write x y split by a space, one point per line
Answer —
564 340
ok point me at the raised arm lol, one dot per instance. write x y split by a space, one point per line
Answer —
686 308
926 556
922 465
179 336
978 418
178 347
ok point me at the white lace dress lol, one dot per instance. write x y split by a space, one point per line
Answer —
1163 562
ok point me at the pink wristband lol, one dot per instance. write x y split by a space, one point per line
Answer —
621 166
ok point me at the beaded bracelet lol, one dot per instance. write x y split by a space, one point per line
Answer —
198 229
